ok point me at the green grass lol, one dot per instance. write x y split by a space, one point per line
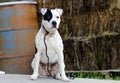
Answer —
96 75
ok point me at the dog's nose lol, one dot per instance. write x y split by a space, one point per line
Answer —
54 23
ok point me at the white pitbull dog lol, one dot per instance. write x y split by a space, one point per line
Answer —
49 59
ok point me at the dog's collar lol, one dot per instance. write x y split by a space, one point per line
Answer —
47 32
45 29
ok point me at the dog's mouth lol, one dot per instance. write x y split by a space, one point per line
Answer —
54 27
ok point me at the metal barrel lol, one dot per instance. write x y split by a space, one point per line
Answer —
18 27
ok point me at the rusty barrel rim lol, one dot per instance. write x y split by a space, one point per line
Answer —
17 2
13 24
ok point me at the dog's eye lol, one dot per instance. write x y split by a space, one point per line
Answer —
57 17
48 16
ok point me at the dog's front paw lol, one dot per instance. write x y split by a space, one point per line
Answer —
65 79
34 77
58 77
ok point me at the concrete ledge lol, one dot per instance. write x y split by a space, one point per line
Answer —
15 78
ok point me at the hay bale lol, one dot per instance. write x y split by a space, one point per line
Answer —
97 53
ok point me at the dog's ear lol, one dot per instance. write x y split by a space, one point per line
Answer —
60 11
43 10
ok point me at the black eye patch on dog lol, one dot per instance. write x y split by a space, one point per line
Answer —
48 15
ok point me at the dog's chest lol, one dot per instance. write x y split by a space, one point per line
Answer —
51 46
51 42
